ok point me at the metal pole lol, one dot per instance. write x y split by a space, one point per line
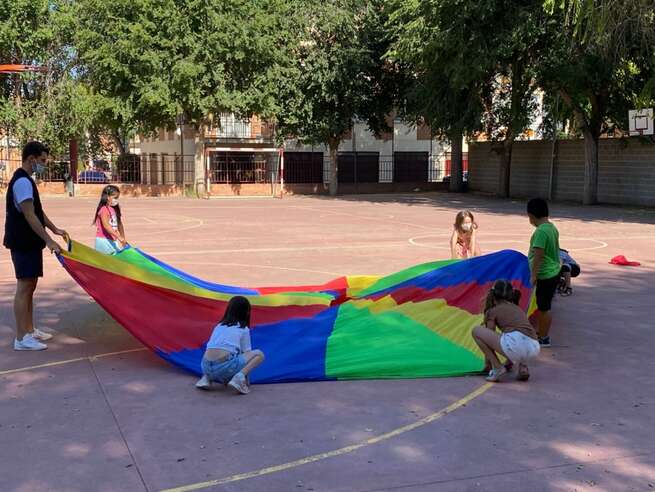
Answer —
182 141
281 172
181 120
552 150
393 147
355 153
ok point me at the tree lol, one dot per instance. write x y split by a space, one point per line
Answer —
337 74
442 87
472 66
51 104
600 64
147 61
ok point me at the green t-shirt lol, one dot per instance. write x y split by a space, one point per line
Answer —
546 237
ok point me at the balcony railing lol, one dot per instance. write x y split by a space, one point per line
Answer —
229 127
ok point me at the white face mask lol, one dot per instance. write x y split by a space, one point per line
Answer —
466 227
113 202
38 168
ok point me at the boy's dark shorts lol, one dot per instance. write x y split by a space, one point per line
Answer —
28 263
573 269
545 292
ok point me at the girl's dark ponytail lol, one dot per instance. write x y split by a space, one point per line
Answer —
516 296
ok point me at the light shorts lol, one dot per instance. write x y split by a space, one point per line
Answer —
222 372
107 246
519 347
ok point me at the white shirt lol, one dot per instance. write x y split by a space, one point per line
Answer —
22 191
233 338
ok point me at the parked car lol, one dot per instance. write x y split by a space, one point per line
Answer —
90 176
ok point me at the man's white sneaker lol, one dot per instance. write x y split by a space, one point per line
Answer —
203 383
29 343
238 382
41 335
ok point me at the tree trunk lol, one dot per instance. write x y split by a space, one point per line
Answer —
591 128
456 168
514 127
333 184
590 192
504 169
119 142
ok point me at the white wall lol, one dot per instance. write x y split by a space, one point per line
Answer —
170 147
404 140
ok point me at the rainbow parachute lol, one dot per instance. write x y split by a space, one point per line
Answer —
414 323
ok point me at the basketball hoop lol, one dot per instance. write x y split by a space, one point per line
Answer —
640 122
15 68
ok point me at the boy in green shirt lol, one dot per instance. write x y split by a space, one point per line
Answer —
544 264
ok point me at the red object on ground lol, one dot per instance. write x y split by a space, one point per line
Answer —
623 261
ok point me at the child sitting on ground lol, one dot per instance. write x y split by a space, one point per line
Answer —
517 340
570 268
229 357
463 242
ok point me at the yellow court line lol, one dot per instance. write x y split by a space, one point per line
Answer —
69 361
337 452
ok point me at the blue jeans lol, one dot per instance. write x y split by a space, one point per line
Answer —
223 371
107 246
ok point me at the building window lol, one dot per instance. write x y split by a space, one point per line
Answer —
233 127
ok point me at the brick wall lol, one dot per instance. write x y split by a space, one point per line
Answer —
94 190
626 174
483 174
530 169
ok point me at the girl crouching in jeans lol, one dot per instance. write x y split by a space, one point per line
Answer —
229 357
517 340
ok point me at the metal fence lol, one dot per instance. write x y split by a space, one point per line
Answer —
146 169
243 167
304 167
258 167
369 167
156 169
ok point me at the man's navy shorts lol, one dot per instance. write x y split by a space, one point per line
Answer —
28 263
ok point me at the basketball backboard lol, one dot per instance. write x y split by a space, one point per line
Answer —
640 122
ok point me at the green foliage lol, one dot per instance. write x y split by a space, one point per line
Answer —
470 65
51 105
149 60
600 61
336 72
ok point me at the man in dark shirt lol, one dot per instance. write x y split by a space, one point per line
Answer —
25 237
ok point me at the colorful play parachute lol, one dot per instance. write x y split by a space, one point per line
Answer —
414 323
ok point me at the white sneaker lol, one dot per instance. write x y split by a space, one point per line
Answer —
238 382
203 383
41 335
29 343
495 374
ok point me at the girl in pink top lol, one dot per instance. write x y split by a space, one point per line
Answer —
463 242
110 235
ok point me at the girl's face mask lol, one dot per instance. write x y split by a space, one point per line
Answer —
113 201
466 227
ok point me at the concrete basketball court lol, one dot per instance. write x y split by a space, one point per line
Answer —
97 412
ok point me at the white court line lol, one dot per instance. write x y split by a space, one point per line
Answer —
200 223
69 361
385 218
279 250
248 265
602 245
413 241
